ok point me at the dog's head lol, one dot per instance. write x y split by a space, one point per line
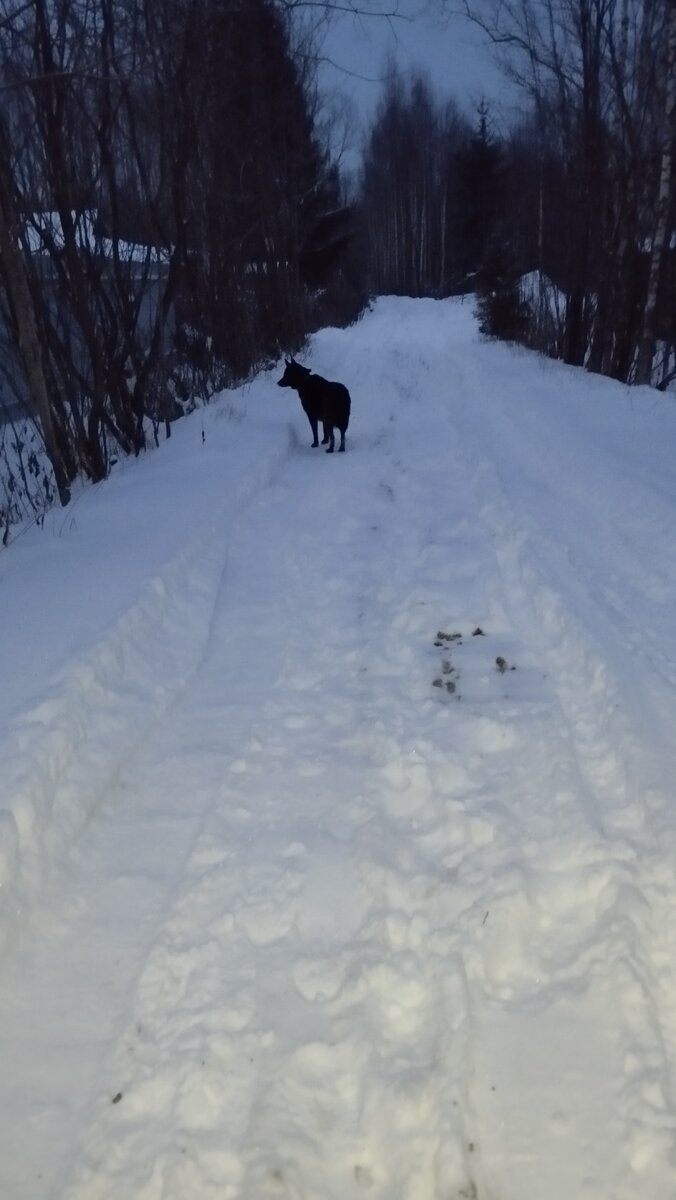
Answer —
294 374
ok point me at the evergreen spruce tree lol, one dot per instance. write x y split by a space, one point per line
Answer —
500 310
482 196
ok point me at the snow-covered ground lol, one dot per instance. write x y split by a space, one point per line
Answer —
309 888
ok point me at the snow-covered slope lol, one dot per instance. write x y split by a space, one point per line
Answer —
338 837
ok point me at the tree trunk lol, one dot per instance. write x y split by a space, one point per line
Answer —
646 348
21 300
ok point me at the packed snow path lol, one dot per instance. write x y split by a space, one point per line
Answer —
342 863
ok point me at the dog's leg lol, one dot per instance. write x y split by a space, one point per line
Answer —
331 446
326 438
315 438
342 440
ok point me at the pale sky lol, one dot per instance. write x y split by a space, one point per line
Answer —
459 63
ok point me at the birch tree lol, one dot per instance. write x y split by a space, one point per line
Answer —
663 208
599 74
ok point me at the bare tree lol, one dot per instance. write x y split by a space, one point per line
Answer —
659 240
596 72
161 180
23 315
410 191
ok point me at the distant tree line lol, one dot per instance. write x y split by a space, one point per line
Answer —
429 192
580 197
169 217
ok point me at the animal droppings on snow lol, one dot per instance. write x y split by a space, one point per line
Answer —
502 665
443 639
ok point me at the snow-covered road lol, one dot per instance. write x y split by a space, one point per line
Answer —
339 848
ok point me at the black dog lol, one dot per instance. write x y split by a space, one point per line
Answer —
322 401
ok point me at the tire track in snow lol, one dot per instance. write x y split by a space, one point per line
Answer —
64 1000
312 1042
616 918
63 755
602 760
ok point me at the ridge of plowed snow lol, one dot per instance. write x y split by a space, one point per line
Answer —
62 752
